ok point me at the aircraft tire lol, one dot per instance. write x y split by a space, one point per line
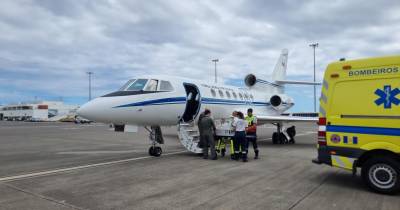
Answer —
157 151
275 139
151 151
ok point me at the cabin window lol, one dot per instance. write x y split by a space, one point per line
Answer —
246 97
234 95
126 84
166 86
152 85
213 93
221 94
228 95
138 85
241 96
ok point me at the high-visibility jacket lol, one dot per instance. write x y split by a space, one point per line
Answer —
251 124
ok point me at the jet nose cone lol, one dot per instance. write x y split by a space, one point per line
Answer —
85 111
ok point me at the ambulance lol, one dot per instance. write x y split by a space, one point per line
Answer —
359 120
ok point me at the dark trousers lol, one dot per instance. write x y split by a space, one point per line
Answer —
253 139
208 141
241 143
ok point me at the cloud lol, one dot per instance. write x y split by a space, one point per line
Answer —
48 46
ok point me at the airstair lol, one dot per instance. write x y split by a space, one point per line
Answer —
189 136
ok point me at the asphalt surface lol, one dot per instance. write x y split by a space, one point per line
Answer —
68 166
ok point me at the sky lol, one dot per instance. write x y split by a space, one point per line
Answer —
47 46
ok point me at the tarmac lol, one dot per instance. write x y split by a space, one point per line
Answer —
68 166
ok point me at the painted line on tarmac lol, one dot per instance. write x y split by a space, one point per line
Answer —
56 171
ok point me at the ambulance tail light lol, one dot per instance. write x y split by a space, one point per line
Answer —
322 131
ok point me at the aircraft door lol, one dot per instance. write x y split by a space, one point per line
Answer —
193 102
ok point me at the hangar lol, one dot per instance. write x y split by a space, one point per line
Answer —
40 110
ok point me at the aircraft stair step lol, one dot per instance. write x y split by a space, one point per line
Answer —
189 137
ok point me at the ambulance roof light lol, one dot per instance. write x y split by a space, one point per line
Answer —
346 67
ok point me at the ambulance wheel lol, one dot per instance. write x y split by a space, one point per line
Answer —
382 174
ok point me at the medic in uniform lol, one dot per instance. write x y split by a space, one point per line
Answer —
251 131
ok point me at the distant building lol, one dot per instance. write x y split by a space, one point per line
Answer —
36 110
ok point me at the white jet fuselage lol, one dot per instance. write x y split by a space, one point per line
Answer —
184 103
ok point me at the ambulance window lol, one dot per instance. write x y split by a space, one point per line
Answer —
127 84
213 93
228 95
234 95
221 94
138 85
152 85
166 86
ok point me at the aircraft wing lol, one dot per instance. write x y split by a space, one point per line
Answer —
279 118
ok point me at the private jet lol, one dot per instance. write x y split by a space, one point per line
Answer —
153 101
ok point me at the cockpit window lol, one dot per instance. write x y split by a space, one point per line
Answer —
152 85
138 85
127 84
166 86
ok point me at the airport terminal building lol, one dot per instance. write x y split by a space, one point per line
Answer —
40 110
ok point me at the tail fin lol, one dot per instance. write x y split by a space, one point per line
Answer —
279 72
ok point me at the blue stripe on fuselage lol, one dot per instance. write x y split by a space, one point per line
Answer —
182 100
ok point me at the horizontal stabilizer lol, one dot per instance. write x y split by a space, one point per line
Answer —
294 82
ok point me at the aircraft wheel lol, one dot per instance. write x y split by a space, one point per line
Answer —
151 151
282 139
157 151
223 153
275 138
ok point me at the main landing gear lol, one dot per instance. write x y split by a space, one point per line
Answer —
156 138
283 136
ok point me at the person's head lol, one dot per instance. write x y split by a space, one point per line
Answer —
250 112
207 112
240 115
234 113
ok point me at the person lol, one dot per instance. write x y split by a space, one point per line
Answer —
208 130
234 144
201 142
251 131
240 137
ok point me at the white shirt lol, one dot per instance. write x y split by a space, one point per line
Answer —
239 124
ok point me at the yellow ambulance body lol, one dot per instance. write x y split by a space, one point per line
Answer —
359 125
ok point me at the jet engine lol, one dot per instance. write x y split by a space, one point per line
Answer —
281 102
250 80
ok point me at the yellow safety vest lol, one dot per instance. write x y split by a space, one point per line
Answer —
250 120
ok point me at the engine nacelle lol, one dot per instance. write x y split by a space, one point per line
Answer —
250 80
281 102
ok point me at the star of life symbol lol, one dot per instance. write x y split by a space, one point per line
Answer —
387 96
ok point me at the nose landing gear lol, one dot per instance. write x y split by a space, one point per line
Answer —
155 151
156 138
